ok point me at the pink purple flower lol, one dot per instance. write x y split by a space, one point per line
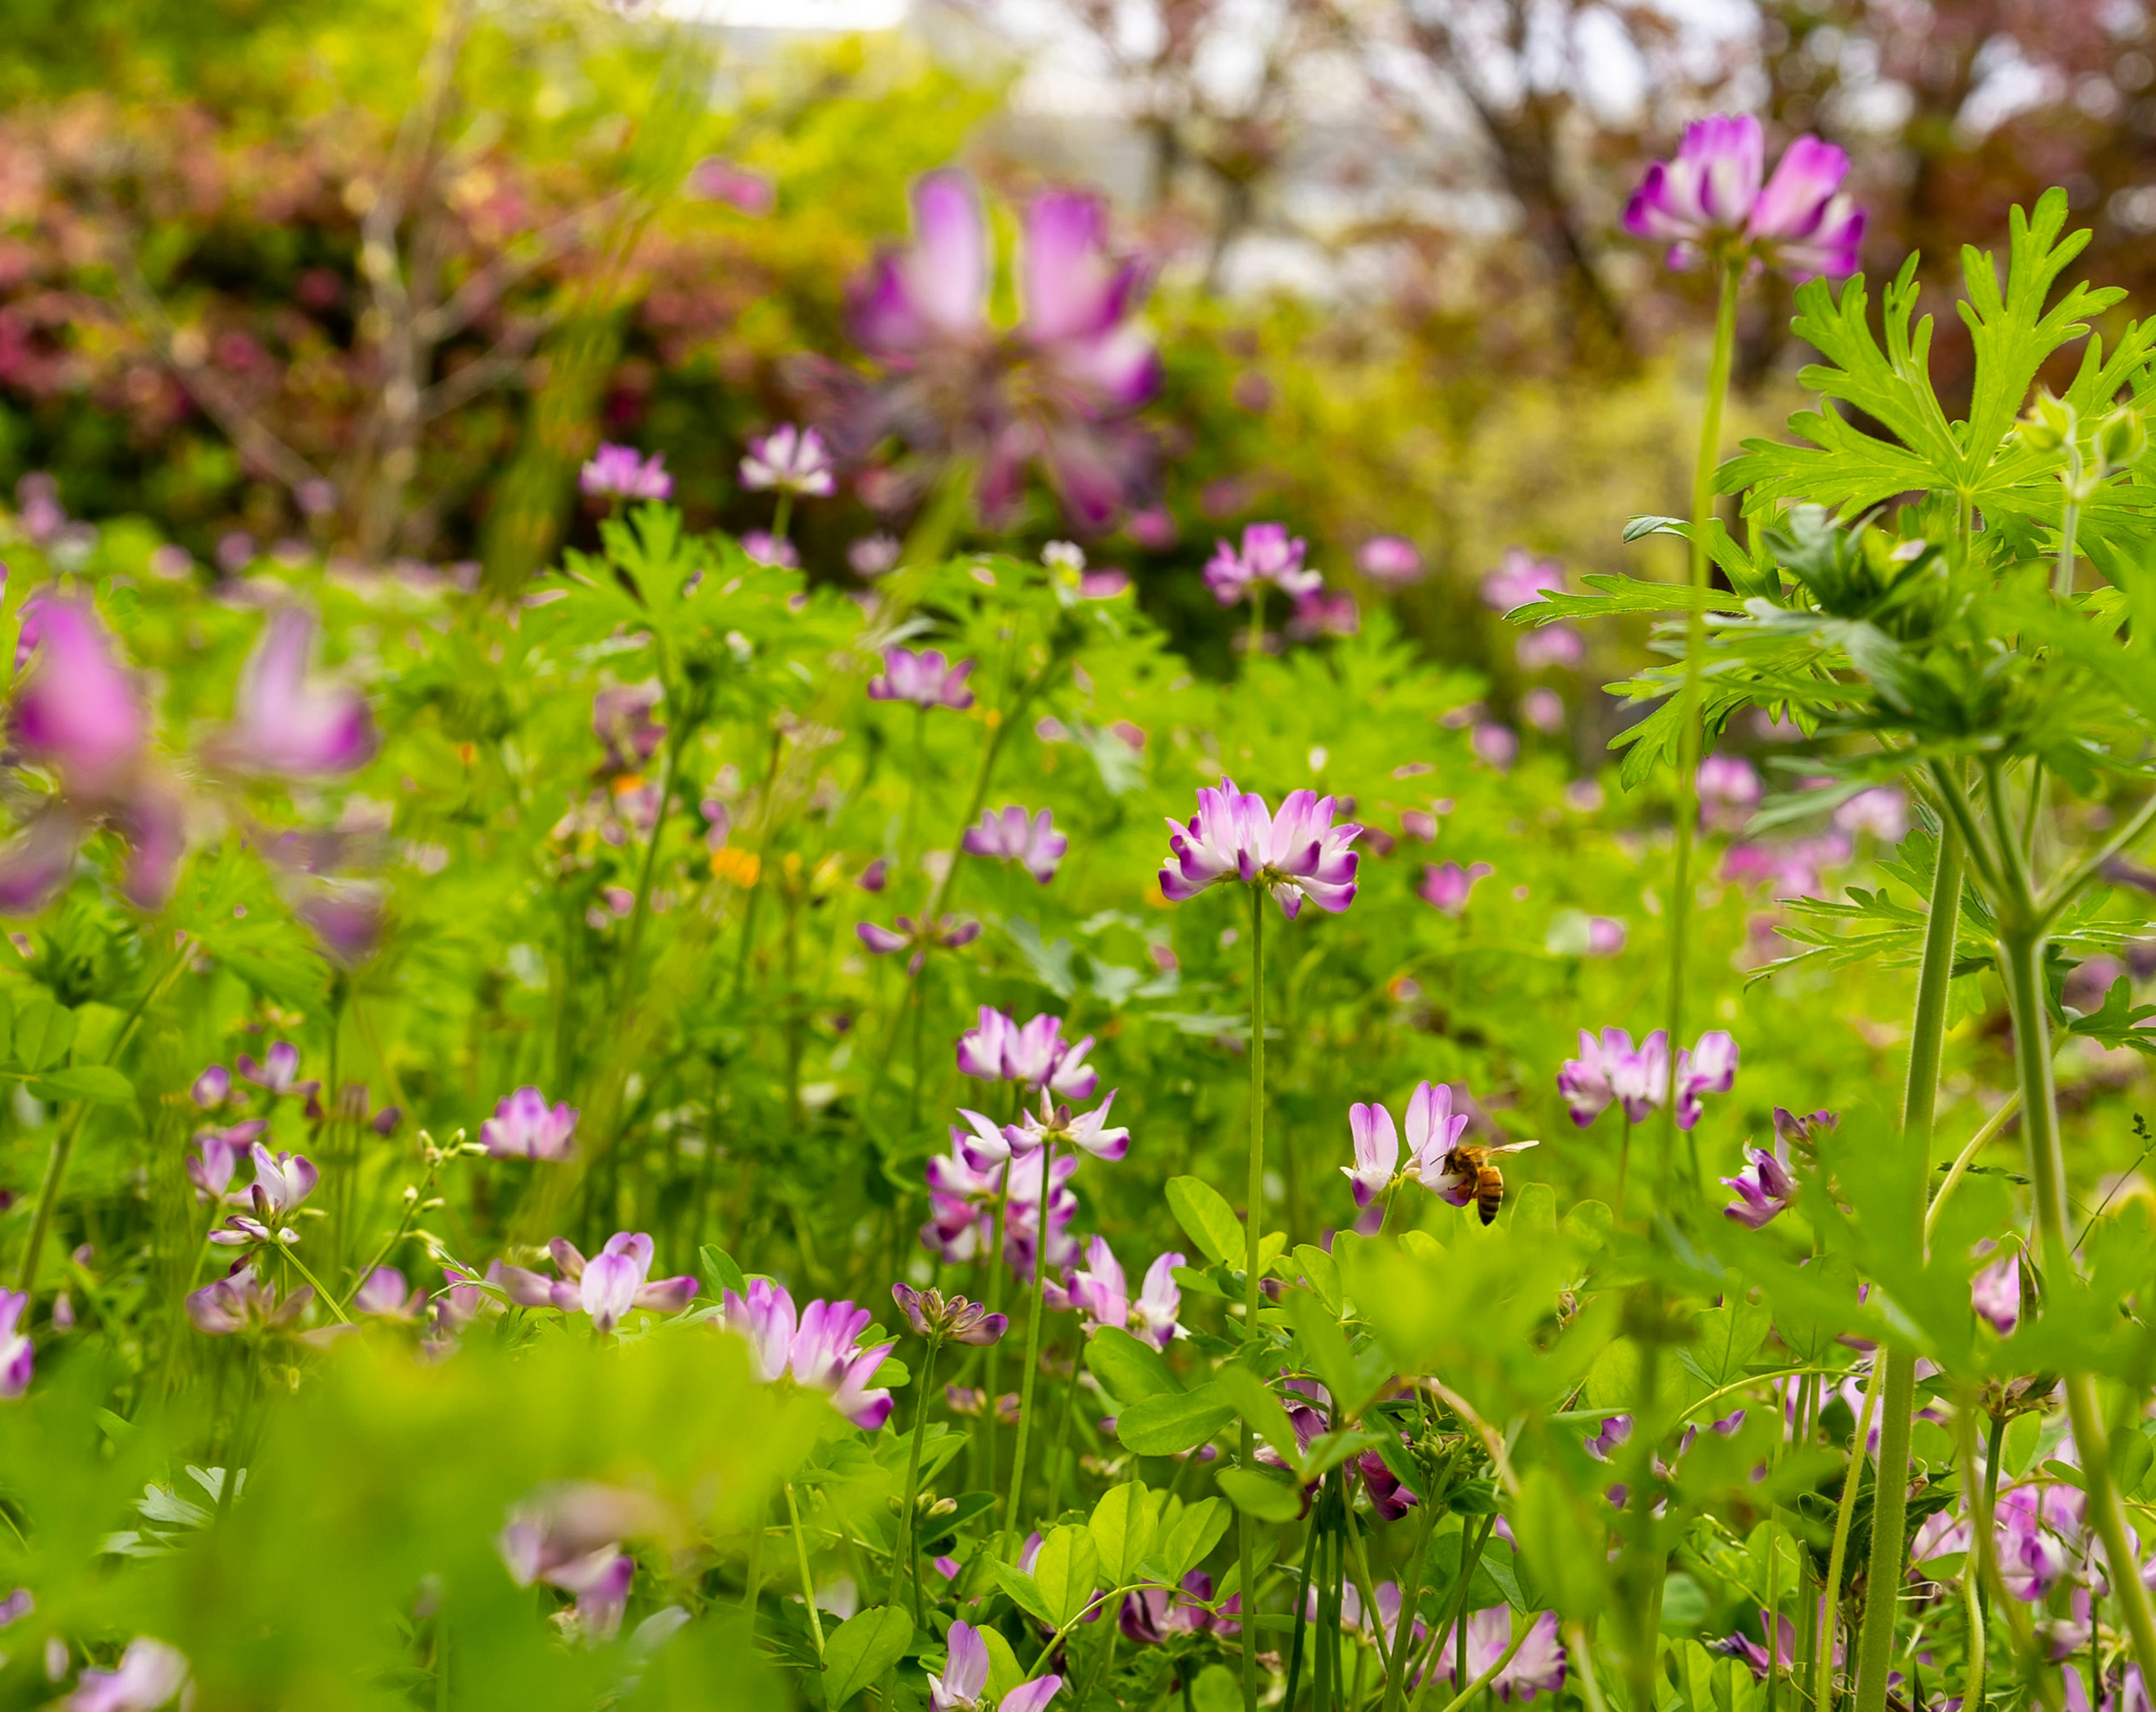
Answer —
287 722
1729 790
1605 936
998 1049
947 934
1495 745
569 1536
1880 810
789 460
1324 611
931 1314
606 1287
1610 1069
1709 201
1996 1294
1295 854
1446 885
1551 645
1011 835
17 1355
1100 1292
1537 1668
622 720
926 679
150 1674
1764 1189
873 555
241 1302
817 1348
775 551
383 1294
1710 1067
1151 1615
1392 560
1520 580
1434 1129
212 1088
279 1072
1269 554
617 472
524 1126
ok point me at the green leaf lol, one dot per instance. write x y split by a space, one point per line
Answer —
1067 1572
1206 1217
1122 1525
1616 596
1561 1543
1322 1272
719 1267
863 1648
1262 1494
1024 1592
1724 1339
1254 1401
1129 1370
1215 1690
1189 1535
100 1083
1173 1421
44 1032
1005 1673
1318 1331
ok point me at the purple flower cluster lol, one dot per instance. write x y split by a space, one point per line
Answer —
617 472
524 1126
615 1280
926 679
1434 1130
1612 1070
817 1348
1709 201
1034 1054
1011 835
1295 854
1102 1294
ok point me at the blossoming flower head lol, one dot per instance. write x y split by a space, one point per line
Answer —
606 1287
524 1126
1609 1069
241 1302
998 1049
1765 1189
1709 201
1011 835
931 1314
926 679
149 1675
1445 885
1296 854
284 721
617 472
569 1536
1392 560
1269 554
1087 1132
947 934
824 1358
1520 580
1101 1293
790 459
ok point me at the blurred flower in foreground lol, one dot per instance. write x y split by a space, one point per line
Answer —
1057 389
569 1537
1011 835
1709 203
17 1355
79 714
926 679
1537 1668
789 460
286 724
964 1682
1392 560
617 472
1295 854
1269 555
149 1675
524 1126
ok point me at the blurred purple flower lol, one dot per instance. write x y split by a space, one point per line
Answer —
216 1155
716 179
1150 1615
1729 790
873 555
524 1126
1295 854
1445 885
17 1355
1996 1294
569 1537
1709 201
1494 746
622 720
241 1302
1034 1054
382 1295
284 722
277 1073
1605 936
1543 709
1609 1069
1101 1293
1882 811
927 679
789 459
1520 580
764 1320
1708 1068
1392 560
1268 555
212 1088
1324 613
1537 1668
1056 389
947 934
617 472
766 548
931 1314
150 1674
1011 835
1551 645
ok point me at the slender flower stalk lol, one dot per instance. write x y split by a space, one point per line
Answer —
1015 1495
1837 1554
1246 1533
909 1523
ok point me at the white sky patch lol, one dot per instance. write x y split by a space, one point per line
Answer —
794 17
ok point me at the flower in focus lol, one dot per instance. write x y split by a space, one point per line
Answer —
1011 835
1609 1069
790 459
606 1287
241 1302
931 1314
1729 790
965 1675
1799 1137
1295 854
1520 580
282 722
524 1126
1100 1292
617 472
149 1675
764 1319
1709 201
1742 1646
80 715
1269 555
1057 389
1055 1123
1764 1189
17 1355
823 1358
1392 560
947 934
1377 1151
927 679
1445 885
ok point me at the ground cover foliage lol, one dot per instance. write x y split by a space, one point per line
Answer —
682 1134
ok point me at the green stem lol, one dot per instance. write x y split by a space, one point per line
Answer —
782 516
1920 1096
808 1585
2021 960
320 1289
1396 1681
1689 739
1960 1168
632 941
909 1526
1016 1497
1257 639
1246 1533
991 1364
1823 1688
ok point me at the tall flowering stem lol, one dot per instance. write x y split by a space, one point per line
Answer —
909 1522
1016 1495
1246 1533
1688 727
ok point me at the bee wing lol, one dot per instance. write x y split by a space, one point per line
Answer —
1513 1147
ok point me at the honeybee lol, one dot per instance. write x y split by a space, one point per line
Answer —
1471 1176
